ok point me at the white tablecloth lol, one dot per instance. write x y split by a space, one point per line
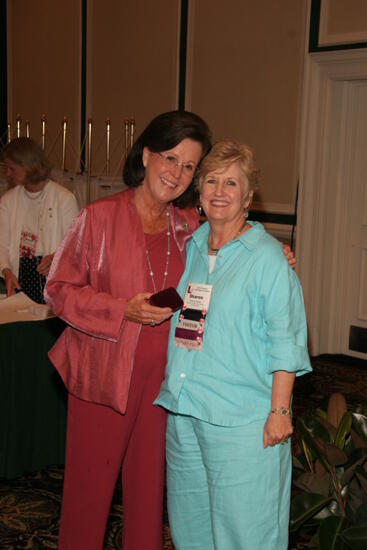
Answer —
21 308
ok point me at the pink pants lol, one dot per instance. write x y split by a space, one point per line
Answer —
100 440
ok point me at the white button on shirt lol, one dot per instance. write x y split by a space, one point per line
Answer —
182 375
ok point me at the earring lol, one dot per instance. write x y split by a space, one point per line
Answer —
245 214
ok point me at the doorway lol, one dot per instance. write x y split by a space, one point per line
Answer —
332 229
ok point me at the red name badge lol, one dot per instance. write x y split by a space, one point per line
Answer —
189 332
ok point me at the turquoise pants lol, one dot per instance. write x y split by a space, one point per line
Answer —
225 491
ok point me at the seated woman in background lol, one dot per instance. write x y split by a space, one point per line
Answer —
35 215
234 351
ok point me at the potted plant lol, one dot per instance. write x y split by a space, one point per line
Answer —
329 505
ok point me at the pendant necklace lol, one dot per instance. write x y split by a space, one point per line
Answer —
167 256
216 250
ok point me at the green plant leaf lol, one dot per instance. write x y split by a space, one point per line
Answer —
356 537
317 427
307 454
356 495
331 509
360 517
298 462
319 468
360 408
329 533
358 456
313 483
337 407
359 422
362 477
344 492
314 542
321 413
343 430
334 455
310 443
306 457
305 506
349 446
358 441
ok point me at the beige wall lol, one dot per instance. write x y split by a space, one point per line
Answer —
132 67
44 68
246 61
244 73
345 16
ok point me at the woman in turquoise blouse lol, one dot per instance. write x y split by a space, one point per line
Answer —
235 349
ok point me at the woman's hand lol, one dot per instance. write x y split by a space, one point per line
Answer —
289 256
139 310
11 282
277 429
44 266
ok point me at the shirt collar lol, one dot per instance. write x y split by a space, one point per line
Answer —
249 238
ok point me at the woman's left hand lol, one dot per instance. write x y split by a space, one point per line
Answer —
277 429
289 256
45 264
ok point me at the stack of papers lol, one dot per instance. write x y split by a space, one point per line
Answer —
21 308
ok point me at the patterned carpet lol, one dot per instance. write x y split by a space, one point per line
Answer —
30 505
30 508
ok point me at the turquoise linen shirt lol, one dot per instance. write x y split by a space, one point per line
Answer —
255 326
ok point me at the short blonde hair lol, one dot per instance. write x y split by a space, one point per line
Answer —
223 154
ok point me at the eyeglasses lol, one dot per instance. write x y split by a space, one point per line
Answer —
188 168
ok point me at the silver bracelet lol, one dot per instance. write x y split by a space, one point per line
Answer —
282 411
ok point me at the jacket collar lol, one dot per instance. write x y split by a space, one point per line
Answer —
183 224
183 221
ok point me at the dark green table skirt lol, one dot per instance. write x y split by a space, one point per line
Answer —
33 399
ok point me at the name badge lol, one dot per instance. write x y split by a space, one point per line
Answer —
28 244
190 328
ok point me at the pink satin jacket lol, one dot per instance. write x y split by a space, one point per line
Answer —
98 267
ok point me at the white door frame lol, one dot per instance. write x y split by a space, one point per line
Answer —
323 213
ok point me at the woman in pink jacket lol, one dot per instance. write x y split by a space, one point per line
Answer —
119 251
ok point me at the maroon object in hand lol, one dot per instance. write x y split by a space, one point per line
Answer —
168 297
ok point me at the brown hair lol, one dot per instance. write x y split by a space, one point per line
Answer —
26 152
164 132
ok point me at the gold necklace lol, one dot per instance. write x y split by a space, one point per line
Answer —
216 250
